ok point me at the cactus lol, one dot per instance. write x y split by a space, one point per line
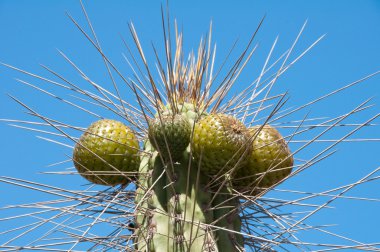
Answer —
181 168
180 212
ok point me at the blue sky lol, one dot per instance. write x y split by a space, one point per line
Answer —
32 31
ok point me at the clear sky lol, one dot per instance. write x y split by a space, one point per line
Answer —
32 31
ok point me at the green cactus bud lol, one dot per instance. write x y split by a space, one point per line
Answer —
220 142
107 153
269 162
170 135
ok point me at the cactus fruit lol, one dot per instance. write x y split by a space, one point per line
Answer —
270 161
107 153
170 135
220 143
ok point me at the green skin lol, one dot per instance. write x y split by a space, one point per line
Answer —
174 206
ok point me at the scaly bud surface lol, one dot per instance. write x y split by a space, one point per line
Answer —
269 162
220 143
107 153
170 135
